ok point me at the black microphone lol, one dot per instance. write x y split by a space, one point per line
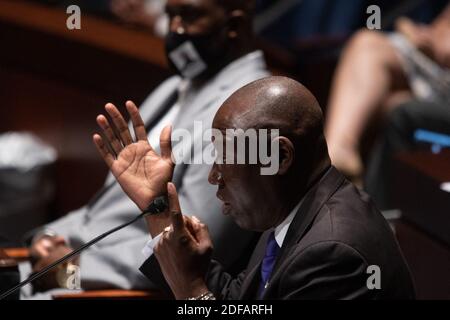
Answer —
158 205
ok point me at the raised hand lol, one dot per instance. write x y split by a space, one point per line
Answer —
142 173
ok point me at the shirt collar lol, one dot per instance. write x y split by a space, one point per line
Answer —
282 229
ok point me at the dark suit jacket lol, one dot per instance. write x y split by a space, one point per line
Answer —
336 234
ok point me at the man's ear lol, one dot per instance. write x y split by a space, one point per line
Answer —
235 23
287 154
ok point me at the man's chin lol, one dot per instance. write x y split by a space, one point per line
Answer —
226 209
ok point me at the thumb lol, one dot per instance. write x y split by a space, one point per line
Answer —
174 208
202 235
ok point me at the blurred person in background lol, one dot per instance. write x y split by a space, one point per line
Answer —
378 72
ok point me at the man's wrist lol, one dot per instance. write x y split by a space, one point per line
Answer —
208 295
158 205
196 289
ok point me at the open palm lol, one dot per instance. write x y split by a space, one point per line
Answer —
142 173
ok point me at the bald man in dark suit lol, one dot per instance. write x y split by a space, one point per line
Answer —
322 237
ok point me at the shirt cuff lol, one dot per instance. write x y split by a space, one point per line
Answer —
150 245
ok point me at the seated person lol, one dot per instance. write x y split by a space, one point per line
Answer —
398 136
378 72
217 37
322 236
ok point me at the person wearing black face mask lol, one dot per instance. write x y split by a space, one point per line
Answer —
219 59
200 50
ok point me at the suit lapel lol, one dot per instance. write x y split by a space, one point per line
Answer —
310 207
161 110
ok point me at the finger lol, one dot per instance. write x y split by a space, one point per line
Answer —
198 230
166 232
43 247
103 150
195 219
58 240
174 208
46 242
165 142
160 243
190 225
109 134
166 235
138 123
42 252
202 236
157 248
120 123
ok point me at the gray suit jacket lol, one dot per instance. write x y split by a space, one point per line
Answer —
336 235
114 261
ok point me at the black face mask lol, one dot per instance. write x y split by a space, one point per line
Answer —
193 55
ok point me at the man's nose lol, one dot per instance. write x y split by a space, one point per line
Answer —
214 176
177 25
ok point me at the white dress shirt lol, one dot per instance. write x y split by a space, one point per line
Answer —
282 229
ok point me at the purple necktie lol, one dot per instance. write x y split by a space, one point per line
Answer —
268 261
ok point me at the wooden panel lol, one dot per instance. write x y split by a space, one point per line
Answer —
6 262
417 191
435 166
423 233
110 295
9 274
428 260
18 254
96 32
